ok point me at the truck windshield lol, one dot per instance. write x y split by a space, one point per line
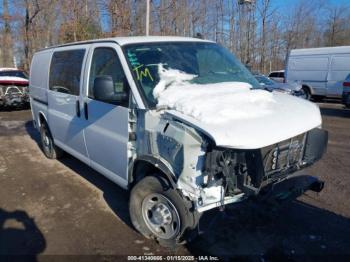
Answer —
210 63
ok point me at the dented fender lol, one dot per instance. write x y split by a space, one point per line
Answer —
157 162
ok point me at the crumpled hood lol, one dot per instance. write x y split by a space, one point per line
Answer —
283 117
232 113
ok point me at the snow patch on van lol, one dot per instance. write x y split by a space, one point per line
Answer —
218 103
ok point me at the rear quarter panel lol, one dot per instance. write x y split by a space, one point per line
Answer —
38 83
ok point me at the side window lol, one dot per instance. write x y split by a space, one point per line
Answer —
106 70
273 75
65 71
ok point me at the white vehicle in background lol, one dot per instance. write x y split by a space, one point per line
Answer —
178 121
321 71
277 76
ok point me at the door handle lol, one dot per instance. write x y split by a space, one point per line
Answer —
77 108
86 111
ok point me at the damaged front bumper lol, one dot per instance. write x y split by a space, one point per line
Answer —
291 187
286 189
234 175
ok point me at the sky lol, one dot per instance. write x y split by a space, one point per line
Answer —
280 4
286 4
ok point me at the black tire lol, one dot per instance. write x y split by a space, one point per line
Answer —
152 185
50 150
307 94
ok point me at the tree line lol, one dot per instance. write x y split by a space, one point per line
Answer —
259 32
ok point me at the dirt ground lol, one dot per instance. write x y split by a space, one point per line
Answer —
50 208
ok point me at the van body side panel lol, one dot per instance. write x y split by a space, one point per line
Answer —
106 136
309 70
38 84
64 121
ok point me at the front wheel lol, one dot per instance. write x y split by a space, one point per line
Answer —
159 212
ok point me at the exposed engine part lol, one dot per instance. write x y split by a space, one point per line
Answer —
247 171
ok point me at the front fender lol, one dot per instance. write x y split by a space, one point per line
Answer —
158 163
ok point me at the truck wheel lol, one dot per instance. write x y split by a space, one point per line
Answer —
306 93
158 211
51 151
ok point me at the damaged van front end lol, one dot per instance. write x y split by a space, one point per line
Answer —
209 136
212 176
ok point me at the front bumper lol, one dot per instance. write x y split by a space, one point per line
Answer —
291 187
286 189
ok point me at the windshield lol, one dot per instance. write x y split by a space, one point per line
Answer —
208 61
264 80
14 73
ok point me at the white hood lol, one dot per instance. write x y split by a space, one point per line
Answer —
290 117
233 114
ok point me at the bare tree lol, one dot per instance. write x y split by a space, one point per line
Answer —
6 41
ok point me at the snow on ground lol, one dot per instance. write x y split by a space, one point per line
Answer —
211 103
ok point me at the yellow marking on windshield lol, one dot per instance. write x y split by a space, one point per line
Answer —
141 73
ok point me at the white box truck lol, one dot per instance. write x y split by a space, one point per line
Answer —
321 71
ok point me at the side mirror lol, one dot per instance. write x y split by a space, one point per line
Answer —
104 91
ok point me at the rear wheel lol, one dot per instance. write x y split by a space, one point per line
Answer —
159 212
50 150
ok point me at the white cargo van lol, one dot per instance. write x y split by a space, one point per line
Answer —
321 71
178 121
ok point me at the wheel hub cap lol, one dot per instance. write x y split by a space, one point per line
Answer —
46 140
161 216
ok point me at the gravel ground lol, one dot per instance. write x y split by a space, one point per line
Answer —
50 208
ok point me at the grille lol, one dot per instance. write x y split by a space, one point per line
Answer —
284 155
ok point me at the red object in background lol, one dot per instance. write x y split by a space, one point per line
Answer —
14 82
347 84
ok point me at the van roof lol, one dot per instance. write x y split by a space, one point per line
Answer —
321 50
135 39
